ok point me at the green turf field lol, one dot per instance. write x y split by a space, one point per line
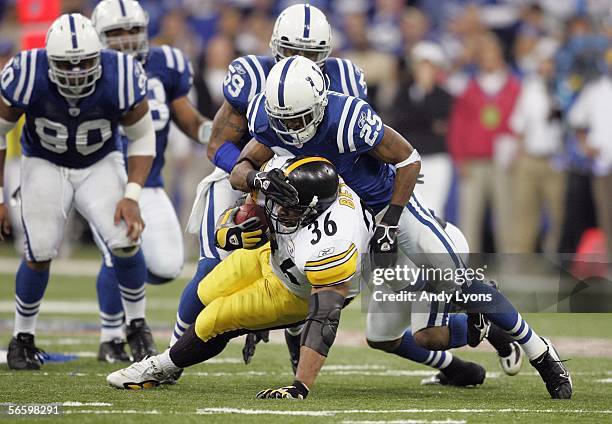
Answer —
358 385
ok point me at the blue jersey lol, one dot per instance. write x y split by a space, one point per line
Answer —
247 77
348 131
170 76
79 135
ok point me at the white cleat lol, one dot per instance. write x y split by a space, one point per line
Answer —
511 364
145 374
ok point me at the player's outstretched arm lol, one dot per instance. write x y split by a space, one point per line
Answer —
138 127
396 150
189 120
228 128
8 119
317 338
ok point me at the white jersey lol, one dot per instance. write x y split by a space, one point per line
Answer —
328 251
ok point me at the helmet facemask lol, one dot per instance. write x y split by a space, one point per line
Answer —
296 128
289 219
133 41
75 77
282 48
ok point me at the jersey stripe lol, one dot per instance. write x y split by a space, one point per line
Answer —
169 57
121 78
306 20
339 137
257 80
22 76
252 110
251 73
351 74
335 273
346 75
260 71
130 80
326 261
31 76
180 59
281 82
342 76
352 250
351 125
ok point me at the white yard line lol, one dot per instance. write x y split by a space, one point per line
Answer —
446 421
215 411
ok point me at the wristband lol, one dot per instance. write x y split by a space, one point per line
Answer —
132 191
204 132
393 214
1 195
226 156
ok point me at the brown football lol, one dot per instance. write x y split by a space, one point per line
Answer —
249 210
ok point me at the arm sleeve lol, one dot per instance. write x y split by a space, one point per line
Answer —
332 264
360 129
241 83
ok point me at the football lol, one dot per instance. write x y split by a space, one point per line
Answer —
249 210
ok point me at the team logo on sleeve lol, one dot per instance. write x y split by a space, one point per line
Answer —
238 68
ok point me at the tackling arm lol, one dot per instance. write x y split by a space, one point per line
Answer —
189 120
228 128
250 160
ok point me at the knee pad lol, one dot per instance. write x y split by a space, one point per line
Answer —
322 321
125 252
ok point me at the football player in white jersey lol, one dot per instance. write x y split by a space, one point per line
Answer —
74 96
122 26
319 236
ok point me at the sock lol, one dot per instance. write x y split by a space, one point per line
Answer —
131 273
30 288
109 302
190 305
166 363
501 313
500 340
410 350
457 327
190 349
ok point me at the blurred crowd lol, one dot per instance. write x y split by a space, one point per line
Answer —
509 102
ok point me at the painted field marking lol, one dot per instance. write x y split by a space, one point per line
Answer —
446 421
604 381
214 411
112 411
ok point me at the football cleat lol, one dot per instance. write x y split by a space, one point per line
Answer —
553 372
140 339
477 328
469 374
23 354
146 374
511 364
113 351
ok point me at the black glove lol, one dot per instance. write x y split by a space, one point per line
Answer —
251 343
248 235
297 390
274 186
383 244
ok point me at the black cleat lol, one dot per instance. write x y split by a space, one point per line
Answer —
462 374
23 353
293 344
477 328
553 372
113 351
140 339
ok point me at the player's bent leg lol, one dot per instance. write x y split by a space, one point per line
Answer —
162 242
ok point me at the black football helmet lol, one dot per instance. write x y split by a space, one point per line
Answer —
316 182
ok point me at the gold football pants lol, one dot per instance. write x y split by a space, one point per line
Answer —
243 293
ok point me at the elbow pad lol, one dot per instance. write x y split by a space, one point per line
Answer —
5 128
322 321
141 136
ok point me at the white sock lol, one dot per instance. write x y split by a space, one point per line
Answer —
166 363
112 327
25 324
532 344
134 302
